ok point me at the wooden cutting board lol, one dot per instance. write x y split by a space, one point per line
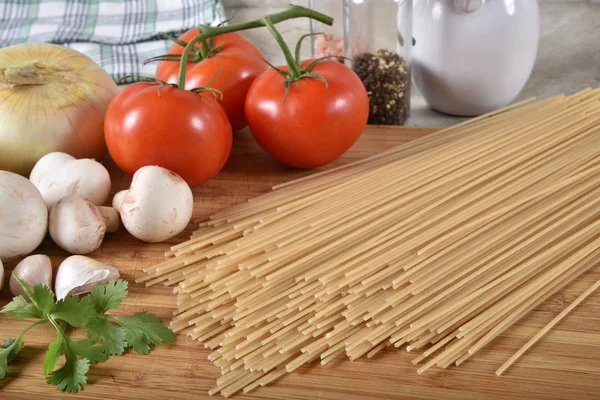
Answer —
564 365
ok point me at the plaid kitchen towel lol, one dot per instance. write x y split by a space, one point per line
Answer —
117 34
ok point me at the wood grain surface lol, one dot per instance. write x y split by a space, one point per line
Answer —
564 365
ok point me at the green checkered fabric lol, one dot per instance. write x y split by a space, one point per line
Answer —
117 34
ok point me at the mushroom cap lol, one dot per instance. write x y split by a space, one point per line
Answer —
23 216
57 175
33 269
47 166
118 199
79 274
157 206
76 225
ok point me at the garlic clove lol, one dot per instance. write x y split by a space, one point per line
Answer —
109 275
78 275
33 270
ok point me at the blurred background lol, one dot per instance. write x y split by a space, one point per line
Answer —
568 57
525 47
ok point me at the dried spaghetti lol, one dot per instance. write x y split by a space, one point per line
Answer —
438 245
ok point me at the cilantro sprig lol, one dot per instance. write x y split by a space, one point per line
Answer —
107 335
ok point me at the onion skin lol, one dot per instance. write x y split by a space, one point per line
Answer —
52 98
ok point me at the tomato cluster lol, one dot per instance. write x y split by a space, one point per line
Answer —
305 118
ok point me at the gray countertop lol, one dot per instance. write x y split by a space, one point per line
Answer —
568 57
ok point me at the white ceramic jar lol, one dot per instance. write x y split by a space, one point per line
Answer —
473 56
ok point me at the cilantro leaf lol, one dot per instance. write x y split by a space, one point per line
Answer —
83 348
86 349
71 376
43 298
109 296
20 309
141 329
105 338
112 337
75 312
55 350
8 352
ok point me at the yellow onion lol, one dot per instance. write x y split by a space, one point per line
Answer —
52 98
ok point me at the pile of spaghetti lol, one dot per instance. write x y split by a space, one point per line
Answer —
438 245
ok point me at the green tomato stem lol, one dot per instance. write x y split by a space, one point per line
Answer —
299 44
208 32
294 66
204 48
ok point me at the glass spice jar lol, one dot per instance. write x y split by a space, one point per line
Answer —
380 43
333 41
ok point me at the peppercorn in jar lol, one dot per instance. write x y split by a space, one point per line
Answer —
380 56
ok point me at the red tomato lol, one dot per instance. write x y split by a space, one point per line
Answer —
189 134
241 61
316 124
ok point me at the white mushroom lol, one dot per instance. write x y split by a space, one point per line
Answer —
157 206
78 226
118 198
32 270
1 275
57 175
78 275
23 216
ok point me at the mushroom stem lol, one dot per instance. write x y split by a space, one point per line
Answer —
118 199
112 218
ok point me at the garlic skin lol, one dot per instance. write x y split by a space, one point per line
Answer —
33 270
78 275
57 175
